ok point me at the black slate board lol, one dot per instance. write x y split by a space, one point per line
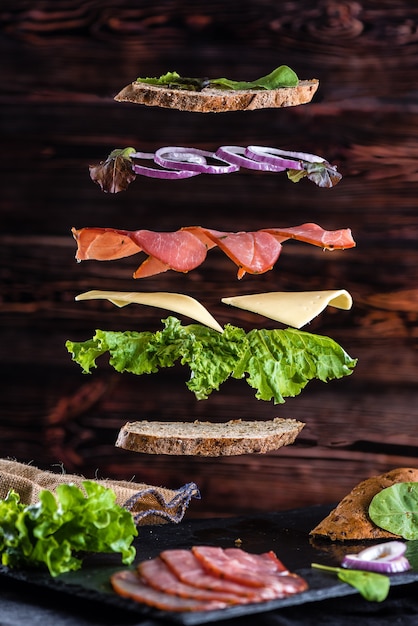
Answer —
284 532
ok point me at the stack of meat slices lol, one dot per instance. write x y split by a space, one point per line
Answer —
206 578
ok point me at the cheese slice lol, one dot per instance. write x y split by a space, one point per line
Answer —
292 308
176 302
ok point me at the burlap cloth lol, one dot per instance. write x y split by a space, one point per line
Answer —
148 504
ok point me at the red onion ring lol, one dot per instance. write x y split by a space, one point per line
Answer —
385 558
142 155
190 159
274 155
237 155
151 172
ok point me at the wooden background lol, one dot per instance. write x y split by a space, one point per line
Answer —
61 64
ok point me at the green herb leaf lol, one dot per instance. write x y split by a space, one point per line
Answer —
58 528
373 587
277 363
395 509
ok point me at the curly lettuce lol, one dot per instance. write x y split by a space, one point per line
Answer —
276 363
64 525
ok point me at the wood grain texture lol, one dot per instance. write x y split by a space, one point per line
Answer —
65 62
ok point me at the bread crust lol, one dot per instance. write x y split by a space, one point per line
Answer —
211 100
350 521
212 439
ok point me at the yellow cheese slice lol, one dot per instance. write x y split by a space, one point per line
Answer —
176 302
292 308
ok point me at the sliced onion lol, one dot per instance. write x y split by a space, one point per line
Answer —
192 159
142 155
385 558
289 160
167 174
237 155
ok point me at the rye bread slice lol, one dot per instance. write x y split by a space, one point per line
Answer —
350 521
208 438
211 100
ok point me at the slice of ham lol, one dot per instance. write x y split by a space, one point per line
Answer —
104 244
207 578
250 569
158 574
267 562
183 250
151 267
129 584
312 233
189 569
253 252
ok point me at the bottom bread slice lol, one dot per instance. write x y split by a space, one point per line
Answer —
208 438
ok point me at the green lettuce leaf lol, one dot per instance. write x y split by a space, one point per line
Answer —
164 79
396 509
280 363
212 357
174 80
60 527
282 76
277 363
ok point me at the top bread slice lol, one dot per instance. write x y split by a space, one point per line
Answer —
350 521
208 438
211 100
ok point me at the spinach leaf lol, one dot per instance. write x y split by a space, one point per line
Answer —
282 76
412 553
373 587
395 509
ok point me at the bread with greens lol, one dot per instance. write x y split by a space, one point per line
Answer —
280 88
350 520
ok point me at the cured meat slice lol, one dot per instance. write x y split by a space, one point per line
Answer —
104 244
266 562
157 573
180 250
189 569
206 578
150 267
183 250
129 584
315 235
202 234
253 252
248 569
